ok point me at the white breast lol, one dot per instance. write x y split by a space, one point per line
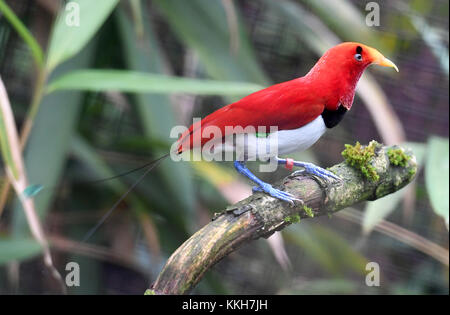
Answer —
297 140
250 147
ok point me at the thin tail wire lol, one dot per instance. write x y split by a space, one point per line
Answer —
151 165
96 181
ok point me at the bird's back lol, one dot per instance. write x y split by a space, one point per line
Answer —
286 106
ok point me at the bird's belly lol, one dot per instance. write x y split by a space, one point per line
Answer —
251 147
302 138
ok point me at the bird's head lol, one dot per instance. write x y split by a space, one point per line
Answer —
343 65
358 56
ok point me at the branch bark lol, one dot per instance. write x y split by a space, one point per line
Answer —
261 215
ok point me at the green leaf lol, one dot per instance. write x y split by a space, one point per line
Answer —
68 39
204 29
49 142
23 32
376 211
141 82
6 127
136 11
437 175
18 249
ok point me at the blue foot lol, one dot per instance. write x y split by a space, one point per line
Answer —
264 187
276 193
313 169
319 172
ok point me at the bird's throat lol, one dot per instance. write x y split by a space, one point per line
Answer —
332 117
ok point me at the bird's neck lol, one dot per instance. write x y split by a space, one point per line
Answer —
335 84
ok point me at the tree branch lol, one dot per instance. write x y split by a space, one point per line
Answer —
261 215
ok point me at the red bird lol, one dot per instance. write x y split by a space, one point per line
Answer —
301 109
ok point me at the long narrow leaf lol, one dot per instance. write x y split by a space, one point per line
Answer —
46 151
437 176
74 27
23 32
16 172
196 24
140 82
15 249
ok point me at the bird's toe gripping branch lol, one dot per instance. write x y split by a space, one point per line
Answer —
276 193
263 186
309 168
279 194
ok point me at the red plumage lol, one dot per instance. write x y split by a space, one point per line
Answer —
292 104
287 105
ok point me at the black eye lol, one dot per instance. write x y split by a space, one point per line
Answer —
358 55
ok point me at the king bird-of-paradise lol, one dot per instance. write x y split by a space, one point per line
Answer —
301 110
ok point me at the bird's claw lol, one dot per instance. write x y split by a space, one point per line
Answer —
276 193
319 172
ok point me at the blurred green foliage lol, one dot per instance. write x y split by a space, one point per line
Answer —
84 130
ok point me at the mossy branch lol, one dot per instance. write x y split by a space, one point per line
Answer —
260 215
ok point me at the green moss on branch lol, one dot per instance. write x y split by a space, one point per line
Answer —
308 211
295 218
360 157
398 157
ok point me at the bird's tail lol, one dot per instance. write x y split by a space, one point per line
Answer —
148 166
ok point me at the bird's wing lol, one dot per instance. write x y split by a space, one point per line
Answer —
285 106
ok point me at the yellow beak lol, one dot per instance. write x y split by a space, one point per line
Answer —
379 59
386 63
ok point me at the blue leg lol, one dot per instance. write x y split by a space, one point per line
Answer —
262 186
312 169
